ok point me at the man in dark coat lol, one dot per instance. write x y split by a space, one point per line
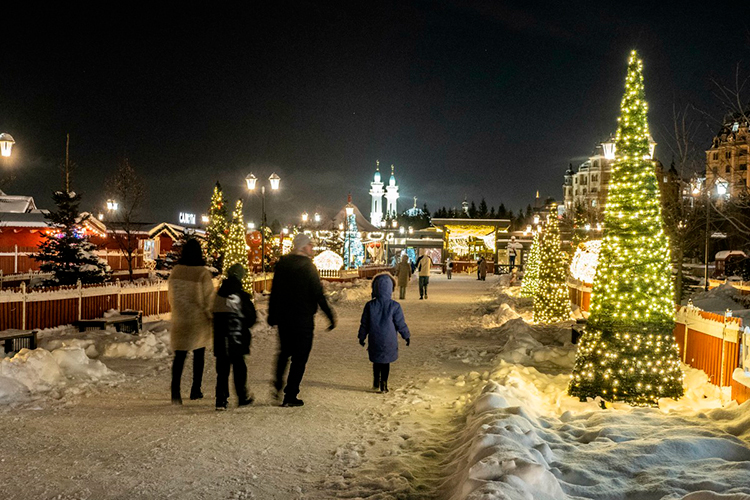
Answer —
296 294
234 315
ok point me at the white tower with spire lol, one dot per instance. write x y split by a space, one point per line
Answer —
391 195
376 191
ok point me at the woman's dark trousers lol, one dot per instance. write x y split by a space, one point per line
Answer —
179 364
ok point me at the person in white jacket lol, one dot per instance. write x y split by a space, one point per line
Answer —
423 268
191 291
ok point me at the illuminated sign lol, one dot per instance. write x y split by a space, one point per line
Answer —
186 218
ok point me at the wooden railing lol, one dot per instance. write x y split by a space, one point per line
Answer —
49 307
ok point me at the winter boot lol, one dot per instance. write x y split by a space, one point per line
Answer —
383 387
292 401
196 394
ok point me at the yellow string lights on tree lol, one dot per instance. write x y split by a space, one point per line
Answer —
236 247
551 297
628 352
531 272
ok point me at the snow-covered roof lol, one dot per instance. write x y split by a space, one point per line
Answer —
362 223
16 204
30 219
726 253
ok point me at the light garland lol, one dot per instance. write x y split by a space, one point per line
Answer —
216 232
628 352
236 251
530 279
328 261
585 260
551 297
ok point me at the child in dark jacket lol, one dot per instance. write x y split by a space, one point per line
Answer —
382 320
234 315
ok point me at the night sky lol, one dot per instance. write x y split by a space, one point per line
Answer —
469 99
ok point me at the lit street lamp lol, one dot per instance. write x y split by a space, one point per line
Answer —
305 217
6 144
112 205
251 181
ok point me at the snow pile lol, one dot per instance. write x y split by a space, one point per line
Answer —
356 292
721 298
525 438
148 346
34 372
499 317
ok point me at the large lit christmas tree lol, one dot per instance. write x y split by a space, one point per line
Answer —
216 232
531 272
236 246
628 352
551 297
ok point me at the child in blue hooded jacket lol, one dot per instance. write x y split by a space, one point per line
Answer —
383 320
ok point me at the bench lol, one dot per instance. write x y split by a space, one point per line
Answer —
126 321
15 340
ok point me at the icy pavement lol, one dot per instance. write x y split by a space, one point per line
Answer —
477 410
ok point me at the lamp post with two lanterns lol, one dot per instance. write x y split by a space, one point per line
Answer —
251 181
701 187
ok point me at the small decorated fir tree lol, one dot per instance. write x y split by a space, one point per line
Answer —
216 232
551 297
531 272
66 251
236 246
628 352
354 251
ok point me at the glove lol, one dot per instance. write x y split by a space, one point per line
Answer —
362 342
407 342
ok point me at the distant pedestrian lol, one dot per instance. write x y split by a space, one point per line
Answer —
404 272
479 273
234 316
382 321
513 248
296 294
449 267
482 269
190 291
424 266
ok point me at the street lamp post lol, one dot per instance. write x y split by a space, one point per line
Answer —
251 181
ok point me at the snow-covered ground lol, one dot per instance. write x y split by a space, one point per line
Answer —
477 410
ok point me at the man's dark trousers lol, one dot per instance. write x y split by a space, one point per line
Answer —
294 343
511 263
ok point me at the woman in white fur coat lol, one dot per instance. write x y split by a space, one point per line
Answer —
191 292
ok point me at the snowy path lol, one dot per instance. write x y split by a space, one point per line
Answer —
129 442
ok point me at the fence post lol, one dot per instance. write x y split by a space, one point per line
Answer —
15 260
119 294
23 308
723 349
80 299
158 298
